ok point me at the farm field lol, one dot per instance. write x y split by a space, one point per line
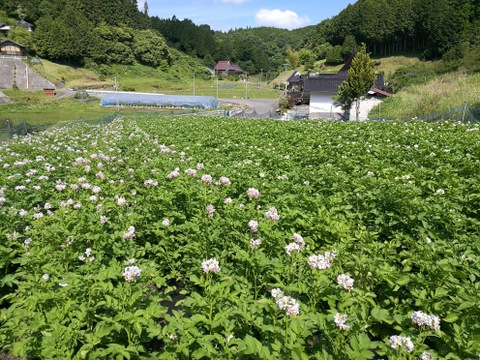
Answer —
214 238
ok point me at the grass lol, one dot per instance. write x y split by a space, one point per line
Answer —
35 108
388 65
444 92
70 76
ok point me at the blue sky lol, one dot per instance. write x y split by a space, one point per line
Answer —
227 14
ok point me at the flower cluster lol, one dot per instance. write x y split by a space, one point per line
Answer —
422 319
191 172
166 222
298 240
427 356
207 179
130 233
173 175
150 183
223 180
253 193
401 342
253 225
210 265
340 320
320 261
296 246
346 281
286 303
272 214
292 248
210 210
132 273
88 252
254 243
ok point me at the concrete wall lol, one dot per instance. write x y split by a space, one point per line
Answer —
366 105
321 106
16 71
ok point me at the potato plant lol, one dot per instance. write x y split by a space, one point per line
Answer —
214 238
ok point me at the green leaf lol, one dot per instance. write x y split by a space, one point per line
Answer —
465 305
450 317
138 328
404 280
381 315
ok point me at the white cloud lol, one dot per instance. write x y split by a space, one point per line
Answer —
282 19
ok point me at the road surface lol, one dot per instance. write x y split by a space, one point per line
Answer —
261 106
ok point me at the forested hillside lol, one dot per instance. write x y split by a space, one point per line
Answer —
392 26
94 32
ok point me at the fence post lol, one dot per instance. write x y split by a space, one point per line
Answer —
464 111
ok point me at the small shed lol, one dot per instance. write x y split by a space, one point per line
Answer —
10 48
49 92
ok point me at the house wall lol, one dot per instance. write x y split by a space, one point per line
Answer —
11 49
366 105
321 106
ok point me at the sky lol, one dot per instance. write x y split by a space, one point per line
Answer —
224 15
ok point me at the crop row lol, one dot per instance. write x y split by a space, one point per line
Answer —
221 238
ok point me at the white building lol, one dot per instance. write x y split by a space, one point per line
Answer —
323 87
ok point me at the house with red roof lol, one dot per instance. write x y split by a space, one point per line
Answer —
226 67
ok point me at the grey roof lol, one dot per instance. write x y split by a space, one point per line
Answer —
12 42
323 82
330 83
295 77
24 24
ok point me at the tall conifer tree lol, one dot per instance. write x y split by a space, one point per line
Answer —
360 80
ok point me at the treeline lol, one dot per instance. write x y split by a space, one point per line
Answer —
433 27
255 50
89 32
94 32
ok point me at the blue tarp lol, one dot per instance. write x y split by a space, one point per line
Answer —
146 99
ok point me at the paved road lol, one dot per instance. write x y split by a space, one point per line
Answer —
261 106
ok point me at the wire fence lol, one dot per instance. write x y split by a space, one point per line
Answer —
10 130
462 113
252 114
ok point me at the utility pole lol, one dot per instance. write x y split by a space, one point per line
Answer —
246 85
116 91
217 86
261 75
286 78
